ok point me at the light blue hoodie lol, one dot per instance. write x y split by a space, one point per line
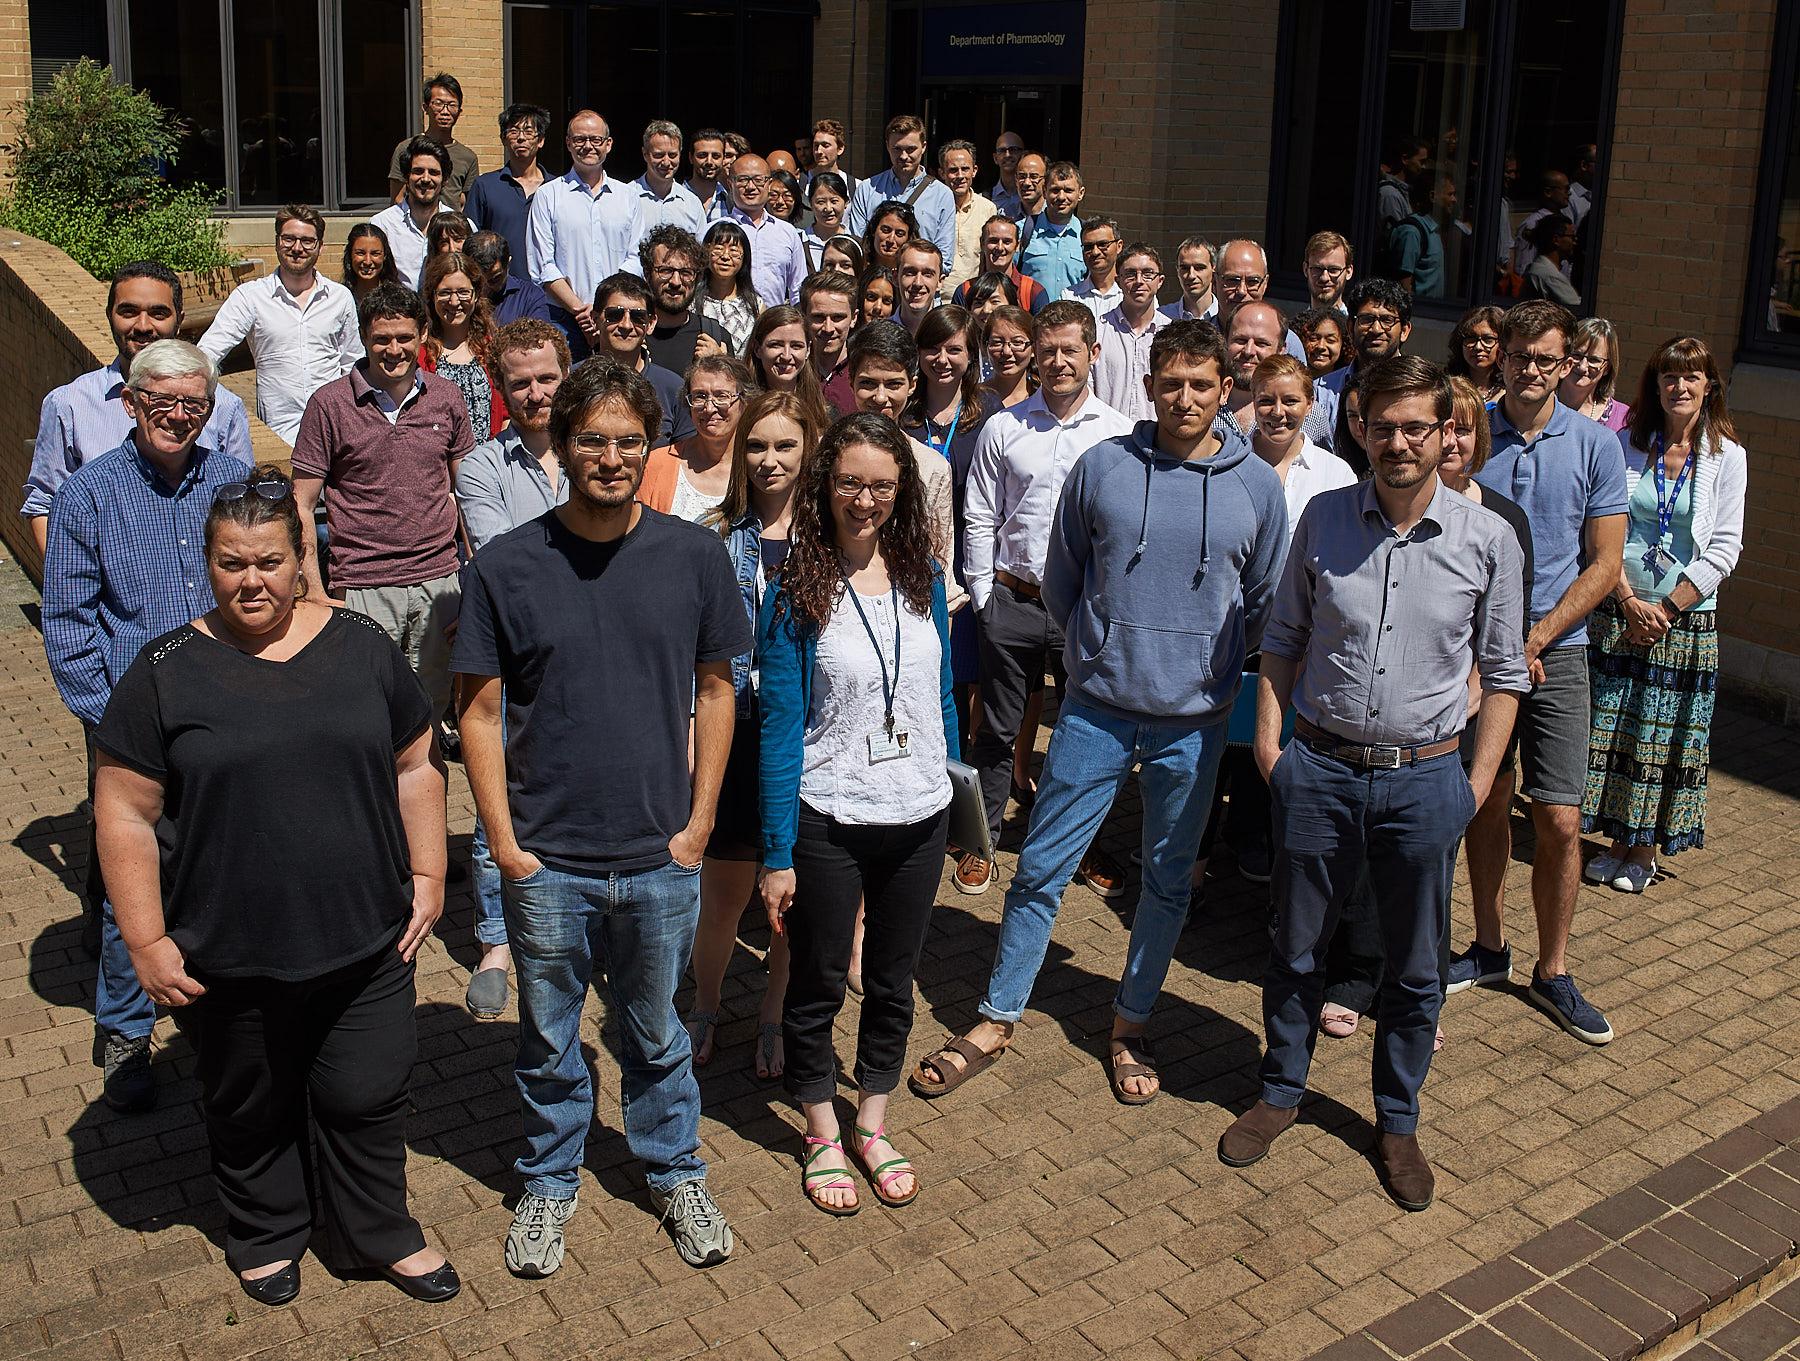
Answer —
1161 574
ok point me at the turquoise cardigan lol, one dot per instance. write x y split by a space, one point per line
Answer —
785 653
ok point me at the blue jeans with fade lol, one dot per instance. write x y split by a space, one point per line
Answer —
637 930
1091 753
1332 822
121 1006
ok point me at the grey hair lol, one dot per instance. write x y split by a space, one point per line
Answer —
1243 241
172 359
958 144
1587 331
661 127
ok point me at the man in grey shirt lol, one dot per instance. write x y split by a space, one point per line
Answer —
1390 587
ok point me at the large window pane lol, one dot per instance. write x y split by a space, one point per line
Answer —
175 56
377 110
275 51
540 60
624 61
1318 179
703 83
779 87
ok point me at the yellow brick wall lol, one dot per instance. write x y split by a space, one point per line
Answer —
467 39
15 61
853 96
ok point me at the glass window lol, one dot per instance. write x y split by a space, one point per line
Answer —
778 85
175 57
1772 319
275 56
1317 179
376 112
703 93
540 60
624 62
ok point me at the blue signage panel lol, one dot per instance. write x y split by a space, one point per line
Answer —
1010 42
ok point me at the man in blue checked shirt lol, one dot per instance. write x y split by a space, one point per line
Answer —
125 563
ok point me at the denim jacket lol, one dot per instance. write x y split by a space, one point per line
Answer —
744 543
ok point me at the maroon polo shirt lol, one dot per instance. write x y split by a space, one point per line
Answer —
387 484
838 389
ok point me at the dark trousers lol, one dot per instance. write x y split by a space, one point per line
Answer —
1249 816
1336 824
1018 641
339 1048
1355 958
894 871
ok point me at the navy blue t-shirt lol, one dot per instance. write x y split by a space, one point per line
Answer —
597 645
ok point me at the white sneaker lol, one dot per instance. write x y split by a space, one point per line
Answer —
1602 869
1633 877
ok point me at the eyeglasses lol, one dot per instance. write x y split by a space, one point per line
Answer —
593 446
1543 363
1375 321
1131 276
1596 362
269 489
588 143
442 105
852 487
1413 432
158 405
750 181
726 247
1325 271
1482 342
640 316
1248 281
296 243
718 401
454 295
1017 345
674 272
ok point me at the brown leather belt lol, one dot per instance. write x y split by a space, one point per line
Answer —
1370 757
1017 585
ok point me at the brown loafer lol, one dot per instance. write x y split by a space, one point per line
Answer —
1100 872
973 874
1248 1139
1404 1171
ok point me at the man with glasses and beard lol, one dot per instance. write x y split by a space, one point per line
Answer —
623 306
1380 322
673 263
601 877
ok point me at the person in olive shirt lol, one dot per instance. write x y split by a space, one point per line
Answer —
443 101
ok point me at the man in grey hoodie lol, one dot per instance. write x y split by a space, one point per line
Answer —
1163 562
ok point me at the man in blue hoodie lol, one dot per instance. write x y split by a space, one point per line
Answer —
1162 565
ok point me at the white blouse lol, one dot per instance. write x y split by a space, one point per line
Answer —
838 778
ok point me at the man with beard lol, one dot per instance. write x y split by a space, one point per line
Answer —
623 305
1380 322
673 263
1389 587
424 166
512 297
828 312
601 877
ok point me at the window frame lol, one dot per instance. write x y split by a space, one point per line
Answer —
1496 104
1779 136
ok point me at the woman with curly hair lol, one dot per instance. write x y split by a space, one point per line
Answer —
462 329
858 719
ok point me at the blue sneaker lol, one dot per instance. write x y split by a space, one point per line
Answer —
1568 1008
1478 964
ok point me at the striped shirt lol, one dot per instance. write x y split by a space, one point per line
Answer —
125 563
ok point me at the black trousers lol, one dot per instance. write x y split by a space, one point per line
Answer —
894 872
1018 642
340 1048
1250 807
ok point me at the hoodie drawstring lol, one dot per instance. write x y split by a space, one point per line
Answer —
1144 525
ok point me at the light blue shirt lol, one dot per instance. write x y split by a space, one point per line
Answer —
935 210
1053 254
714 207
777 259
86 418
680 208
582 236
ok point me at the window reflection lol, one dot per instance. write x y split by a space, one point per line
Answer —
376 105
276 53
175 56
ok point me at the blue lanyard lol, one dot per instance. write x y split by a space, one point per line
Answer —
887 686
1665 510
943 450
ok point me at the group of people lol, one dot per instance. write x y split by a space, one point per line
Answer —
715 610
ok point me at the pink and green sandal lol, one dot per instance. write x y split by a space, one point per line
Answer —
881 1174
839 1177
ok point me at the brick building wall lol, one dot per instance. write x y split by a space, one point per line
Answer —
15 61
853 89
467 38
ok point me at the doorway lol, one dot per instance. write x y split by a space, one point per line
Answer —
1047 119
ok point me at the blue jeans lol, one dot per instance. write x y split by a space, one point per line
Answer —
1333 821
638 929
1090 755
120 1005
490 913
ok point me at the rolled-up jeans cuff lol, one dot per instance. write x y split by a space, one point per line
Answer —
1281 1101
1399 1124
992 1013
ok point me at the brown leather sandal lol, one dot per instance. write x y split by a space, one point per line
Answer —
1117 1073
931 1079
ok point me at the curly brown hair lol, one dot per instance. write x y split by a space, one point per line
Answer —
481 316
812 576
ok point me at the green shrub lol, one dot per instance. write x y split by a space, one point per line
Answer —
85 178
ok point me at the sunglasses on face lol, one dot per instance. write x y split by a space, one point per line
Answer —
639 316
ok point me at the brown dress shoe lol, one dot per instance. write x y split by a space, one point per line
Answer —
1248 1139
1404 1171
1100 872
973 874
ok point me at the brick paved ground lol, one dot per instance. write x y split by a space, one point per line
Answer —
1054 1223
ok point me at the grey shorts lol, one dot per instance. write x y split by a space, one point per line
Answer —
1552 732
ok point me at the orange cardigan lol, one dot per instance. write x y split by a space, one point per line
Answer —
662 469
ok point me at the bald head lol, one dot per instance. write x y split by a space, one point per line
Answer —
589 140
1029 178
750 183
1255 332
1242 276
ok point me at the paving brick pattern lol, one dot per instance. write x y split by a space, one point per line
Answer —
1053 1222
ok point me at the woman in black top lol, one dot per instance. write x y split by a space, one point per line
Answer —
270 815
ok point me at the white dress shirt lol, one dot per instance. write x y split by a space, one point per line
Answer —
1009 499
406 242
298 347
1099 301
581 235
1313 470
1118 374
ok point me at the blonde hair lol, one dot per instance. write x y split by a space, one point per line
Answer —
1468 408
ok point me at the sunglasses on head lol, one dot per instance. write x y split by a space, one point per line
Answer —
269 489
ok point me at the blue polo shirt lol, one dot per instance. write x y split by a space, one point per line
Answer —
1052 255
1572 473
497 203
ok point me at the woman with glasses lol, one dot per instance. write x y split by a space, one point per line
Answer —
781 360
776 436
367 260
727 294
858 719
461 330
283 945
689 478
1475 351
1653 644
891 226
829 200
1006 345
785 200
1593 374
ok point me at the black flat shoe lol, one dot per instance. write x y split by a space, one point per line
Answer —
279 1288
434 1287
